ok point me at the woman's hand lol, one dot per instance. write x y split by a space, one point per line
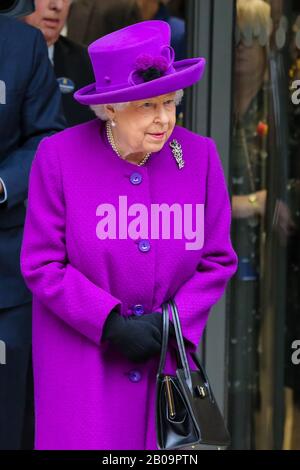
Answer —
136 337
244 207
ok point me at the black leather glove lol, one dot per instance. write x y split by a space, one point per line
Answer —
136 337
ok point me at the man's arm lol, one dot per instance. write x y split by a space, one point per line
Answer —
41 115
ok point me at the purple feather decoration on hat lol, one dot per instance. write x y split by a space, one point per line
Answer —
148 67
145 61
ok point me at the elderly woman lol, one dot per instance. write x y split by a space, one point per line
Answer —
101 252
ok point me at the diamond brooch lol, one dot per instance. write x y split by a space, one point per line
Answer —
177 153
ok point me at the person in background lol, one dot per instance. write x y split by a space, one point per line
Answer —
70 60
100 17
158 10
30 109
248 178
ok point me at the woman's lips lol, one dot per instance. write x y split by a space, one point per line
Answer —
158 136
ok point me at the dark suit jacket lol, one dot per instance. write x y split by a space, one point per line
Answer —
32 110
72 61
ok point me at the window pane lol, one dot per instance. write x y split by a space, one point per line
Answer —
264 384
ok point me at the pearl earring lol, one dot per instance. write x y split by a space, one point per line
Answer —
113 123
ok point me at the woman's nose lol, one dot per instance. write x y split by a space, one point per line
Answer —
163 115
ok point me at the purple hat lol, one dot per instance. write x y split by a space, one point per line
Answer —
137 62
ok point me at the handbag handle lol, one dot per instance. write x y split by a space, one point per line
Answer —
179 340
165 339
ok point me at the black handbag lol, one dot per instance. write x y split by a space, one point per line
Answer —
187 415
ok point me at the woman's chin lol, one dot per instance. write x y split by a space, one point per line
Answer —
155 146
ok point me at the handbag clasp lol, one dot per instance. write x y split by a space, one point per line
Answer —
170 398
201 391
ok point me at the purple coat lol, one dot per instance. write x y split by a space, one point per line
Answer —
88 396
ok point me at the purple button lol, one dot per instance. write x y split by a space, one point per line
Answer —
144 246
136 178
135 376
138 310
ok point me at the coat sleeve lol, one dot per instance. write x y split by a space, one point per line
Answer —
218 262
40 116
48 273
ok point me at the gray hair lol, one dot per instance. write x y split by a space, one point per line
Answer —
100 111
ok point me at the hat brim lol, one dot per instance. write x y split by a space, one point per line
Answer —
187 72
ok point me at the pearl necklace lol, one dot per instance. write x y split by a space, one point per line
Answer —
114 147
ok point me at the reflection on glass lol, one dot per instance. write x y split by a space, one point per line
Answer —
264 383
292 318
248 184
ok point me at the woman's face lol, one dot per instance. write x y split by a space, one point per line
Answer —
250 61
144 125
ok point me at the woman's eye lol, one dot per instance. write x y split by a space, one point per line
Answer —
147 105
169 102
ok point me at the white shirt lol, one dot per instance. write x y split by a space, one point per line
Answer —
51 54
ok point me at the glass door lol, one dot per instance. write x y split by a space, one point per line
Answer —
264 308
